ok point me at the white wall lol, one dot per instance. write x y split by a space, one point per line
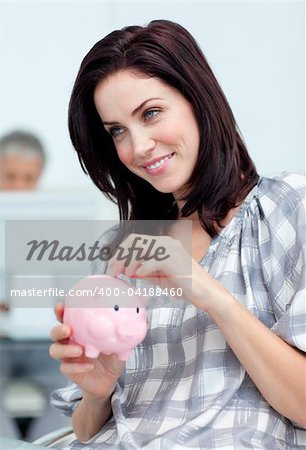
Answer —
257 51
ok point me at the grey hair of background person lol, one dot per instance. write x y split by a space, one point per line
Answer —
22 143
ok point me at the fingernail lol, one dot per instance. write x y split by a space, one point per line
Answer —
76 351
66 331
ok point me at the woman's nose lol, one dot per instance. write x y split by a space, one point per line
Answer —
142 142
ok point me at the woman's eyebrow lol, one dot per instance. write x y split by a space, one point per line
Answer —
143 104
136 109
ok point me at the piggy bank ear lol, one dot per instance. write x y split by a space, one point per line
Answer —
133 296
142 301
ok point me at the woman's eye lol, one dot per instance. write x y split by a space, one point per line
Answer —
115 131
150 113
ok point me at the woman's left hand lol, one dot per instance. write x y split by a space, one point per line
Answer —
168 264
153 257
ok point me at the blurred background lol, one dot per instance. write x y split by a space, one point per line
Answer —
257 52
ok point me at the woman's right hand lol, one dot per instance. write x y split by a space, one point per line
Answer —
96 377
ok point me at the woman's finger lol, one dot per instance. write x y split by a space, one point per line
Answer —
60 332
134 252
59 311
61 351
69 369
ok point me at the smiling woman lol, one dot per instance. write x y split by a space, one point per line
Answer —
167 59
154 131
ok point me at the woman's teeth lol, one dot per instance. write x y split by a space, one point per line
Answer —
159 163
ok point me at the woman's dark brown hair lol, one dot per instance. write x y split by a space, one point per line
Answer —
224 172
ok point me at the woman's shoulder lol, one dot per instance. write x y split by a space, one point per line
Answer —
279 203
284 192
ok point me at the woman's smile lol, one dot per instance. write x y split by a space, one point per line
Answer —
157 166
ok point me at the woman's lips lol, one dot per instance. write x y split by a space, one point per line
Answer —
158 165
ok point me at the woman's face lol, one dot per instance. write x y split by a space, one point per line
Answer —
153 127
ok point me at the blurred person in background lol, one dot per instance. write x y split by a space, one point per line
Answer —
22 161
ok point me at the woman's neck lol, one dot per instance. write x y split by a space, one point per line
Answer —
194 217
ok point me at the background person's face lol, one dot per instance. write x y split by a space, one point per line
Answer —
19 173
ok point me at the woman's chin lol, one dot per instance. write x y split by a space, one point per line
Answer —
166 188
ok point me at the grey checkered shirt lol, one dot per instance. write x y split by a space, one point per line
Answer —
183 387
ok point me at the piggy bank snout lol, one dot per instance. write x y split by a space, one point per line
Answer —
126 328
103 324
129 327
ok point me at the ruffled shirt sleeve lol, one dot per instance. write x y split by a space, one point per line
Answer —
67 398
282 252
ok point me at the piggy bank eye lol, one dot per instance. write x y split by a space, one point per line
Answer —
116 308
137 310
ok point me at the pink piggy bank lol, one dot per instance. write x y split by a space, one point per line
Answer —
106 316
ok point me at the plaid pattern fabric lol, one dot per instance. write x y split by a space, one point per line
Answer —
183 388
